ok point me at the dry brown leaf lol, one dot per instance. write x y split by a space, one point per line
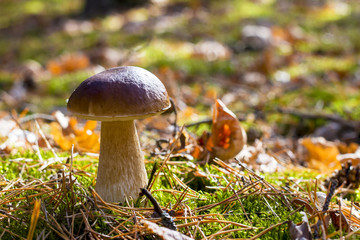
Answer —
339 220
304 202
299 232
197 152
164 233
322 154
227 136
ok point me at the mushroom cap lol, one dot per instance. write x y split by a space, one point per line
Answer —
119 94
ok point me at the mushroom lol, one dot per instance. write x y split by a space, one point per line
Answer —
117 97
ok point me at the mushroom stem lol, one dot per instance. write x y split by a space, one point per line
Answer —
121 171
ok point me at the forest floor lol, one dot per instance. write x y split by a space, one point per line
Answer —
288 71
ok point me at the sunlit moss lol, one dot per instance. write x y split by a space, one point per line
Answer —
320 65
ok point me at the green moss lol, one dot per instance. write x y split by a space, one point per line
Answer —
321 65
63 85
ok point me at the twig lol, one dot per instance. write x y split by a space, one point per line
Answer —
35 116
13 234
320 222
176 116
333 186
198 228
167 220
57 159
22 129
340 218
152 174
221 230
352 233
333 118
209 121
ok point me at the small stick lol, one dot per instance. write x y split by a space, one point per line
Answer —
176 116
57 159
333 186
167 220
152 174
35 116
209 121
156 205
22 129
332 118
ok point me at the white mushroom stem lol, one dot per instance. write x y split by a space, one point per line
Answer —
121 171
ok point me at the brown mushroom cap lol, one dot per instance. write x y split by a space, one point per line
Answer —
119 94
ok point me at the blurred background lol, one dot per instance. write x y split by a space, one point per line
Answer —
257 56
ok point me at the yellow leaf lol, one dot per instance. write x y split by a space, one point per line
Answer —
322 154
68 63
84 139
63 142
90 125
34 219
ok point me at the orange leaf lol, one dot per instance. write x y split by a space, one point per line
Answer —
322 154
34 219
196 152
54 67
227 136
68 63
90 125
64 143
83 139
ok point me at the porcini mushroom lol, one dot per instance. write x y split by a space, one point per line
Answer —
117 97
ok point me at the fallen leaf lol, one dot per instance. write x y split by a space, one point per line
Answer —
299 232
34 218
227 135
197 152
322 154
339 220
349 148
68 63
304 202
163 233
67 134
